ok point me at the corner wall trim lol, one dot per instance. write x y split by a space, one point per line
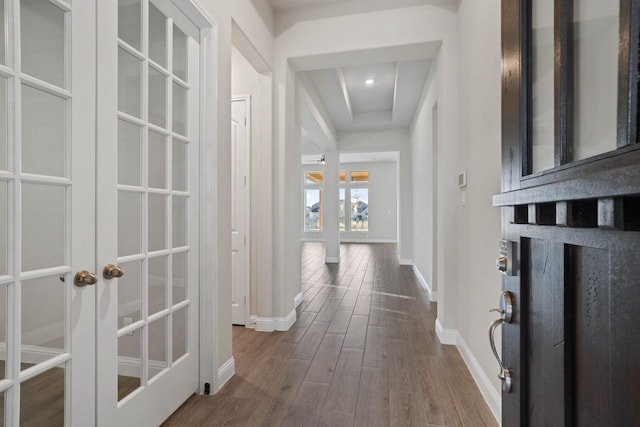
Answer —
446 336
270 324
225 372
433 296
332 260
404 261
297 300
489 392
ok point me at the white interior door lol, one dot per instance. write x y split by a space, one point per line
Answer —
240 209
47 212
148 212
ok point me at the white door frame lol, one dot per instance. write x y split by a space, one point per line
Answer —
248 218
208 217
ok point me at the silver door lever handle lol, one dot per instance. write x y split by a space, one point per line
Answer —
506 315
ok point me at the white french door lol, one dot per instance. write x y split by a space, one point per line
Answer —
99 142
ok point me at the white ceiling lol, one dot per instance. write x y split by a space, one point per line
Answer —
390 102
292 4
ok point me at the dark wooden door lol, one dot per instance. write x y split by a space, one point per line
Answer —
570 206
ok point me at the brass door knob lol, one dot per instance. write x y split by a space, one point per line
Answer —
112 272
84 278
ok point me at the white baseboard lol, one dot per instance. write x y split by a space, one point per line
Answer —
433 296
404 261
489 392
297 300
332 260
270 324
349 240
225 372
446 336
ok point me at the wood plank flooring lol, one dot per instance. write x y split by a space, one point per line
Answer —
363 352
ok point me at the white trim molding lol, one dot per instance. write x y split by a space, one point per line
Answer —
226 372
270 324
332 260
489 392
433 295
355 240
297 300
446 336
404 261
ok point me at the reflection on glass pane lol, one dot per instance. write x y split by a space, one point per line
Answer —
3 125
157 284
3 330
360 176
157 160
314 177
157 346
179 280
180 333
179 109
341 176
595 49
42 39
180 166
130 22
3 59
179 53
38 408
129 154
43 226
341 211
129 223
43 132
157 222
130 366
129 83
129 291
4 228
359 209
313 210
157 36
43 314
157 98
180 225
542 86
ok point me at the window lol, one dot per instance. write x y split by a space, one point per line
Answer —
341 212
354 216
313 203
359 209
359 176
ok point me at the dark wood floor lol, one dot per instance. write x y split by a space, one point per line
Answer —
363 352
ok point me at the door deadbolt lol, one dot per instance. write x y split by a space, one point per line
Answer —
111 271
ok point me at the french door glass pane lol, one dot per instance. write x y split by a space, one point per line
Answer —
157 284
179 109
157 98
179 53
595 48
313 210
129 363
4 228
43 132
359 209
179 333
180 221
180 166
43 317
341 211
129 154
130 22
129 293
157 222
179 279
129 223
3 329
43 226
129 83
4 155
314 178
42 399
542 86
157 36
42 38
157 160
157 346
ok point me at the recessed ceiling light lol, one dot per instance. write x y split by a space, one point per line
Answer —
369 82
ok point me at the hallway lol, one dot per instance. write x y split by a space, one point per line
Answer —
363 352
